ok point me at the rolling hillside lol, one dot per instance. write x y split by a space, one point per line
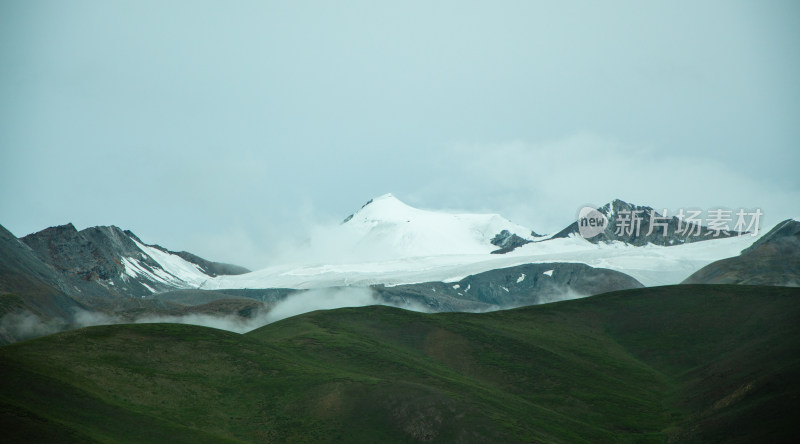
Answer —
774 259
680 364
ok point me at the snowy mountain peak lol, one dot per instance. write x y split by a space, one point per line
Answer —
390 228
386 208
387 196
616 206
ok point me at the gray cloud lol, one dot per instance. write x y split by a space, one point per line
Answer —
544 185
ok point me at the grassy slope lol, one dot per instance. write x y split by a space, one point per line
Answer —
687 363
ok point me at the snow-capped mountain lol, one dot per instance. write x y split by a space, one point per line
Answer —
386 242
436 261
399 244
387 228
107 261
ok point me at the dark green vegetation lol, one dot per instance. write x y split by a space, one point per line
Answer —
683 363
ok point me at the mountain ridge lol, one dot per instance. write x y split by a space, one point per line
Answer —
102 259
635 229
113 271
773 259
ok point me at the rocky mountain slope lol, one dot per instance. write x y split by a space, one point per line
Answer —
61 278
107 261
774 259
33 296
631 223
517 286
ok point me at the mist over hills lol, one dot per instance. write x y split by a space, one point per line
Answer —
579 244
402 256
592 354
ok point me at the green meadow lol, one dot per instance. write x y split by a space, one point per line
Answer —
689 363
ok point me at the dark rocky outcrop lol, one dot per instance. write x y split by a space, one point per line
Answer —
91 260
91 254
350 217
507 241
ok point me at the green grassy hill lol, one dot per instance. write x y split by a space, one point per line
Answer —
668 364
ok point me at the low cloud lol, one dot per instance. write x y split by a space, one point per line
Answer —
542 185
26 325
293 305
564 294
84 318
321 299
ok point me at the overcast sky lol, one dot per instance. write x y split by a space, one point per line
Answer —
229 128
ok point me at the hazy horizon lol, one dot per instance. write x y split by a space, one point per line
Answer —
231 131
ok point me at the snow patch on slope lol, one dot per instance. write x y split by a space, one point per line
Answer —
172 270
175 268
